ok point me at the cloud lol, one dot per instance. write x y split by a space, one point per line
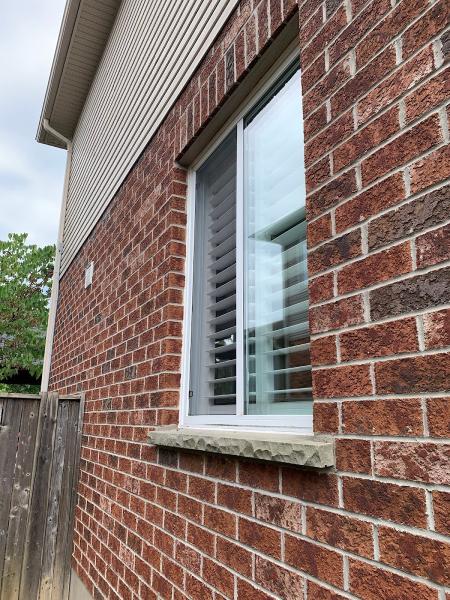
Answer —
31 175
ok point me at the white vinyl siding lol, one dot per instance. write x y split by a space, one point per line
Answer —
153 50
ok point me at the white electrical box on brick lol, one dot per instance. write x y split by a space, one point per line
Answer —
88 275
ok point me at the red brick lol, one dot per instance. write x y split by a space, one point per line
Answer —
323 350
414 461
342 382
430 170
235 498
441 509
363 81
321 288
315 560
219 577
318 174
188 558
436 327
260 475
353 456
368 203
331 136
415 554
278 580
331 194
379 340
383 417
196 589
333 79
222 467
402 149
319 230
310 486
261 538
314 123
438 413
402 79
326 417
336 315
433 247
431 23
278 511
203 489
389 28
220 521
413 375
376 268
385 500
335 252
237 558
204 540
430 95
340 531
320 593
367 138
352 34
249 592
330 30
372 583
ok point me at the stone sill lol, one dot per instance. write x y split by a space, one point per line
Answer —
295 449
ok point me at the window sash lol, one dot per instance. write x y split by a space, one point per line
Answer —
299 423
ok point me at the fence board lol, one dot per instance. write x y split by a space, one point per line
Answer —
18 516
39 466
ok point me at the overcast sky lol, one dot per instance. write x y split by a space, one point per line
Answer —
31 175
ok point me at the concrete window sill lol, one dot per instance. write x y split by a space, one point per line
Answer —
308 451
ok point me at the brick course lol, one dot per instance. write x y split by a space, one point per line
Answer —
178 525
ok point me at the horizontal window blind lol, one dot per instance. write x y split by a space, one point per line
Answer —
213 348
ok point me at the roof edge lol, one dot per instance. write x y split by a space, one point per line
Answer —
59 59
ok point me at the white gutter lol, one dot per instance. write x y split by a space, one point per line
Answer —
55 284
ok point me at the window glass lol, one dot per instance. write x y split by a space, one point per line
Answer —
277 362
213 339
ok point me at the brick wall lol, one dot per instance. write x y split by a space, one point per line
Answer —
177 525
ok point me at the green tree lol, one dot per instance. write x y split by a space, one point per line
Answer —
25 285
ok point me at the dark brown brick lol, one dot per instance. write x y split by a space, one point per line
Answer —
331 194
417 293
335 252
385 500
420 214
310 486
419 374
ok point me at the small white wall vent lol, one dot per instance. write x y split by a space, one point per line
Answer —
88 275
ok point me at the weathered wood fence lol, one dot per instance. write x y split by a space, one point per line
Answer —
40 440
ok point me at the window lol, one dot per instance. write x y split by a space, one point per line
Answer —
247 336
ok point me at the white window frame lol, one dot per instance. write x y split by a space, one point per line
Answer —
290 423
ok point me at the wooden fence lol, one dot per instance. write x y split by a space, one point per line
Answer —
40 439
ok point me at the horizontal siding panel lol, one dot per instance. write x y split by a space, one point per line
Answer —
154 48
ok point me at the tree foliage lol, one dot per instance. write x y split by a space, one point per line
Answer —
25 284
